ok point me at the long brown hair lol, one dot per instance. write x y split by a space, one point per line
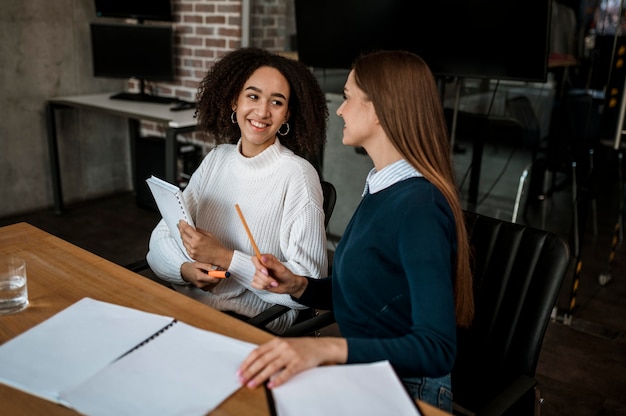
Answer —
406 100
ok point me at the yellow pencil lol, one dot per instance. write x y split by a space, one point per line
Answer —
245 225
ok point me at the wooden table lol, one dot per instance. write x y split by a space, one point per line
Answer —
60 274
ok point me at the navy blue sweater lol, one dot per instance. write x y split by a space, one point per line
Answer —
391 286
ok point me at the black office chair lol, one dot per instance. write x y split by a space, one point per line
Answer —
330 199
518 272
520 108
329 193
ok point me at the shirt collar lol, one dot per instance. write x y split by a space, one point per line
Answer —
389 175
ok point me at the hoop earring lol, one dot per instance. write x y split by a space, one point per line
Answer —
233 118
285 133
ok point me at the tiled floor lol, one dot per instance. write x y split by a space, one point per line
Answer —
582 366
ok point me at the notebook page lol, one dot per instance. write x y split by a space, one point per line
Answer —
184 371
356 389
72 345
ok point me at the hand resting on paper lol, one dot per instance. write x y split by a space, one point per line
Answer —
202 246
281 358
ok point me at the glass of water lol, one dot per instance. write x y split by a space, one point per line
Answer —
13 290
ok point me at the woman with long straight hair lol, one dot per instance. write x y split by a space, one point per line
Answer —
401 278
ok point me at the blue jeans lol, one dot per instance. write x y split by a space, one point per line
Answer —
434 391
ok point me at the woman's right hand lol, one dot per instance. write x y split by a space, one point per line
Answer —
273 276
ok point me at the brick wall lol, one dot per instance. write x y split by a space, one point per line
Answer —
206 30
268 24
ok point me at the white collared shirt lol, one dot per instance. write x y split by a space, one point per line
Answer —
389 175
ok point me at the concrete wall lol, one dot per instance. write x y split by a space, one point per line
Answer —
45 52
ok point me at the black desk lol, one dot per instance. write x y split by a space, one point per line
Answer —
176 122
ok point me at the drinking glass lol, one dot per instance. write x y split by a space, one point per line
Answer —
13 290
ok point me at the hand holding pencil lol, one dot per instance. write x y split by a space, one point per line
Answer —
273 275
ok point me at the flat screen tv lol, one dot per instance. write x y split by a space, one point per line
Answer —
145 52
135 9
492 39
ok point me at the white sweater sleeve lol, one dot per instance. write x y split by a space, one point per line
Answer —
164 256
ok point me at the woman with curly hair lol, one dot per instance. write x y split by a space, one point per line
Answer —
268 115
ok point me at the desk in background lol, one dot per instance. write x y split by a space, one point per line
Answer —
60 274
176 122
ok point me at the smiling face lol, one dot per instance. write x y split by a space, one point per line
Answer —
262 107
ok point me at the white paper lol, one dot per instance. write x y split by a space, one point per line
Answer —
352 389
72 345
184 371
104 359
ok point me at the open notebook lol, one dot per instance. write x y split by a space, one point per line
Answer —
104 359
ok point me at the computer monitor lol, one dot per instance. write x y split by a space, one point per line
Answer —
144 52
466 38
135 9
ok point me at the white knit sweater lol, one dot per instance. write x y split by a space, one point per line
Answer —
281 198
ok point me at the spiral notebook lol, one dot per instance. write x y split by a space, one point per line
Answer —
105 359
171 204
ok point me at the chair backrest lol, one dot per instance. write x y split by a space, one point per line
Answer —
330 199
518 272
497 129
520 108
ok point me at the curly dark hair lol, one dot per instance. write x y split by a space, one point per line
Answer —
226 78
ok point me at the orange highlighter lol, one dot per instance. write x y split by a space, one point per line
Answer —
220 274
